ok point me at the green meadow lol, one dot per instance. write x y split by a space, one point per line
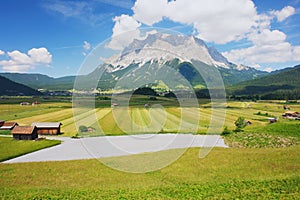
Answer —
262 163
263 173
171 119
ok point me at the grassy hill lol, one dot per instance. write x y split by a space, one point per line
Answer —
11 88
37 81
284 84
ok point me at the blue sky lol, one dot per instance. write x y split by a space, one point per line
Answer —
53 37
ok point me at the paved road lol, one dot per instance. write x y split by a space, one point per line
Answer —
108 146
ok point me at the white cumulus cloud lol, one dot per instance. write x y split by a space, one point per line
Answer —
267 37
40 56
125 31
20 62
216 21
150 12
1 52
284 13
268 47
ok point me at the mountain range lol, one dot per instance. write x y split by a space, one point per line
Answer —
169 57
159 49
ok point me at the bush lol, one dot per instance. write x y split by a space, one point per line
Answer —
153 98
83 128
226 131
76 136
240 124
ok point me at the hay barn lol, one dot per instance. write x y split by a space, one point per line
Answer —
47 128
24 133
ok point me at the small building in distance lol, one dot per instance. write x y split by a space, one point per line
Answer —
272 120
47 128
291 115
113 105
24 133
8 125
25 104
35 103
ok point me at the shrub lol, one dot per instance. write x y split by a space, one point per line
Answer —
240 124
83 128
76 136
153 98
226 131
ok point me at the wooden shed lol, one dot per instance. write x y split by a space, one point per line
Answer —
24 133
8 125
47 128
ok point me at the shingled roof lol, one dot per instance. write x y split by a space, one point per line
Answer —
8 125
26 130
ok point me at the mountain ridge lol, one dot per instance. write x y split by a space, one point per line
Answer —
177 51
281 84
11 88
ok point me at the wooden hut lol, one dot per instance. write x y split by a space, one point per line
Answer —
24 133
8 125
47 128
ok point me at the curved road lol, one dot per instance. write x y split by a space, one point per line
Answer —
108 146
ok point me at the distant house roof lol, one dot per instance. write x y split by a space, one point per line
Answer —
26 130
8 125
291 112
24 103
46 124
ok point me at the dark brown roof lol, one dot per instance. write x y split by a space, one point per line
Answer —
23 130
9 123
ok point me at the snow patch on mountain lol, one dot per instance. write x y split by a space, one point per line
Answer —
166 47
242 67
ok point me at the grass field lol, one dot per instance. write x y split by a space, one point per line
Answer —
171 119
264 163
224 174
11 148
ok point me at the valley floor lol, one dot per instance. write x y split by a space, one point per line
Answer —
263 163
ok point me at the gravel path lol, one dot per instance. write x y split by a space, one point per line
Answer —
108 146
